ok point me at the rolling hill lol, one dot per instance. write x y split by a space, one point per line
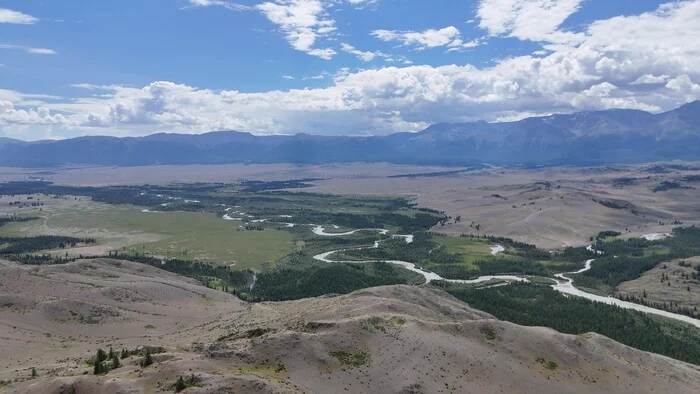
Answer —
392 339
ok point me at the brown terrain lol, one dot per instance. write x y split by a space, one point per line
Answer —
550 207
395 339
668 282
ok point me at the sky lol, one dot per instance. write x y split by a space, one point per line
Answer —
334 67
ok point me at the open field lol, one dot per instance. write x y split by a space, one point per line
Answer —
469 249
183 235
226 173
242 226
550 207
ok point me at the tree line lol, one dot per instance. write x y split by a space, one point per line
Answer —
539 305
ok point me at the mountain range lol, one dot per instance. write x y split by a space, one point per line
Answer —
583 138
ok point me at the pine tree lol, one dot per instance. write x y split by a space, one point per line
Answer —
115 362
34 374
125 353
101 355
111 352
148 359
180 385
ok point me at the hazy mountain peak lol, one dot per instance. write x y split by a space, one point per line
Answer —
591 137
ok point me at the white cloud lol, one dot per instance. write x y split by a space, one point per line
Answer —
368 56
360 4
302 22
446 37
220 3
534 20
648 79
320 76
365 56
288 77
613 66
35 51
16 17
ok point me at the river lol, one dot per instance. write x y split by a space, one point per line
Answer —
565 284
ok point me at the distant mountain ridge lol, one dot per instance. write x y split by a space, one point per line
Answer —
583 138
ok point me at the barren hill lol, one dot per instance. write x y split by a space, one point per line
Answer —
389 339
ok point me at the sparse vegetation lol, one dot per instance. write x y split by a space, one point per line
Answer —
668 185
351 359
184 383
489 332
147 359
549 364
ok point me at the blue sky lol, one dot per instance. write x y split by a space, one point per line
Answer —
134 67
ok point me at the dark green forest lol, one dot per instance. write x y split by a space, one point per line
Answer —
523 259
539 305
13 248
321 279
625 260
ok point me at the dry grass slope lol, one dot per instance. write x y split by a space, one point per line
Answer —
394 339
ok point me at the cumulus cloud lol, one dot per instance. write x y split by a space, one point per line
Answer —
648 79
449 36
302 22
645 61
534 20
35 51
16 17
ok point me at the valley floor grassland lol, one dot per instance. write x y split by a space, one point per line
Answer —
550 207
183 235
470 250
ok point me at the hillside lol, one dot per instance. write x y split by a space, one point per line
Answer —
387 339
600 137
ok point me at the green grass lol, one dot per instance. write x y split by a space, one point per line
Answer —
656 250
183 235
470 250
350 359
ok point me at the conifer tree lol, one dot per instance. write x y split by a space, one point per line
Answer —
101 355
148 359
180 385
